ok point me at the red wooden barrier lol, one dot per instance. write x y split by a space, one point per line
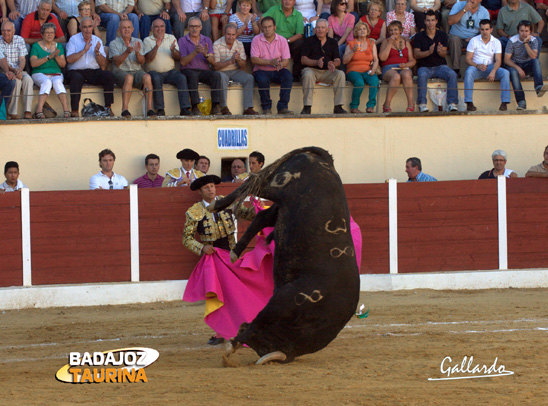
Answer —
447 226
527 212
11 262
84 236
80 236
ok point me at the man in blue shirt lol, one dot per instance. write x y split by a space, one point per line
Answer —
413 168
464 20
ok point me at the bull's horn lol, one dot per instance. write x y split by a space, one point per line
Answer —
211 207
229 350
273 356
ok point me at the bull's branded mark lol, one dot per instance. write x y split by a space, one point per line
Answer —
232 138
124 365
466 369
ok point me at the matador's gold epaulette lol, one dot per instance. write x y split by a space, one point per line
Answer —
196 212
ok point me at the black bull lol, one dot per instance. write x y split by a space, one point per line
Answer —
316 278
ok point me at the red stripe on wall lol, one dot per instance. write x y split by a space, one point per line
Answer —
11 261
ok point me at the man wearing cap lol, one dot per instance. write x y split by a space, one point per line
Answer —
186 174
233 294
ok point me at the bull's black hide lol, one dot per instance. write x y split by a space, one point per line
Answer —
315 272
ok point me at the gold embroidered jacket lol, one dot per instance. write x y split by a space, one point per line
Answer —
209 227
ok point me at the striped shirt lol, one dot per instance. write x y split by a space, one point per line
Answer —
516 48
25 7
222 53
247 35
14 50
144 181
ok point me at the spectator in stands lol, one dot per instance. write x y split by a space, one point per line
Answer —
106 178
493 7
421 7
341 24
307 8
150 10
265 5
406 19
542 8
521 58
161 52
230 60
186 174
464 19
128 55
47 59
12 183
484 55
320 57
15 51
219 13
540 170
377 26
447 5
324 8
397 60
32 24
430 50
413 168
237 172
499 167
7 80
85 9
509 18
19 9
114 11
289 24
256 162
184 10
270 56
195 54
247 24
202 164
87 61
3 11
68 10
151 177
361 60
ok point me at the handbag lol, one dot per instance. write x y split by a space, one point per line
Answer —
92 109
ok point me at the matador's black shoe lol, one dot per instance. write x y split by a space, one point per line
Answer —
214 340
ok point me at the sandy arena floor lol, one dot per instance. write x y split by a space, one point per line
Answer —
384 359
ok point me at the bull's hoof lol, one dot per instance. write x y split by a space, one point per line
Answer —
273 356
233 256
230 348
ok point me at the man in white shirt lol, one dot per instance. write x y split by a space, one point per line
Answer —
484 55
86 59
12 183
106 178
181 12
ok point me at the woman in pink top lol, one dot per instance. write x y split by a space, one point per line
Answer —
406 19
341 24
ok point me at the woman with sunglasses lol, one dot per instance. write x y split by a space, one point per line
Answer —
377 26
341 24
406 19
360 58
397 59
73 26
